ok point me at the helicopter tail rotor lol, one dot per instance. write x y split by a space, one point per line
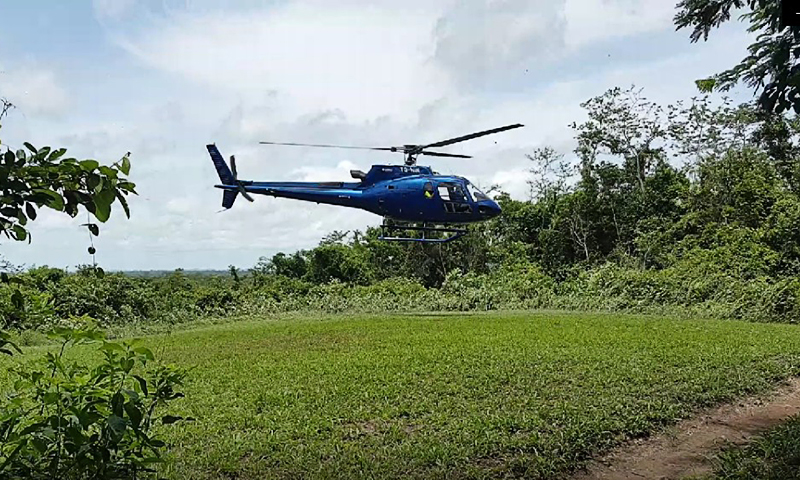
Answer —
228 177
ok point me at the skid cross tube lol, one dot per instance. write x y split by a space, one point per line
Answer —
388 229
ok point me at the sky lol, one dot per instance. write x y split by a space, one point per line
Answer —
162 78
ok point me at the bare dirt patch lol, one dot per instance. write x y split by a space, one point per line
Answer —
685 449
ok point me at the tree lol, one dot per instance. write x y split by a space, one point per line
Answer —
622 123
771 66
45 177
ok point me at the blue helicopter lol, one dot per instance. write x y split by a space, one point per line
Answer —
409 197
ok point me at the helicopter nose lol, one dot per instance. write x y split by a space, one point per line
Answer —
489 209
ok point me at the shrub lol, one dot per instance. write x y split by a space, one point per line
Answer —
68 421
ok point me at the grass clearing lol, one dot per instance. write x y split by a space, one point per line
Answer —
457 396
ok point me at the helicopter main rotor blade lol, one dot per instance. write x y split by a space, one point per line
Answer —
439 154
470 136
391 149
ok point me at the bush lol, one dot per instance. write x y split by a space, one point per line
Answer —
68 421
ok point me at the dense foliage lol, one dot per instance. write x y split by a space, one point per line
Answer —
66 420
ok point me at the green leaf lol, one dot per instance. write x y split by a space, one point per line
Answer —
18 300
133 413
102 211
142 384
129 186
170 419
126 165
149 460
54 199
706 85
108 172
43 153
50 398
127 364
117 424
30 147
56 154
117 402
39 444
102 203
89 165
30 210
124 204
93 181
19 232
111 347
94 229
145 351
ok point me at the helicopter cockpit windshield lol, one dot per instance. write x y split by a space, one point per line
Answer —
477 195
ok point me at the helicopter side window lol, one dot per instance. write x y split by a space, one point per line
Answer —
476 194
455 201
428 188
457 194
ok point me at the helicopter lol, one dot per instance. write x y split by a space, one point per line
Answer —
409 197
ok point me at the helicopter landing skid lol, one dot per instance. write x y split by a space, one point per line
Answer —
389 229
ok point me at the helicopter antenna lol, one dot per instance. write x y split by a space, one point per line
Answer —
411 151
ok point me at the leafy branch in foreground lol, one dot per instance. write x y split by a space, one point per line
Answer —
41 177
38 177
64 420
772 64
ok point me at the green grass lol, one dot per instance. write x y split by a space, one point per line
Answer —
773 456
456 396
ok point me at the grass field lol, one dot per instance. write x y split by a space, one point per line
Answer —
456 396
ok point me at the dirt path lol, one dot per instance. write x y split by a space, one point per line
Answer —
684 449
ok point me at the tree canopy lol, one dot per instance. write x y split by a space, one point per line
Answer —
771 66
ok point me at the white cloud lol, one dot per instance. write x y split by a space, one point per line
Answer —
513 181
480 38
113 9
34 90
366 61
590 21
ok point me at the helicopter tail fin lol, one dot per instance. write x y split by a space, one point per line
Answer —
223 171
228 197
225 176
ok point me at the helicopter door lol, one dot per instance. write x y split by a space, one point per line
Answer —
454 198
